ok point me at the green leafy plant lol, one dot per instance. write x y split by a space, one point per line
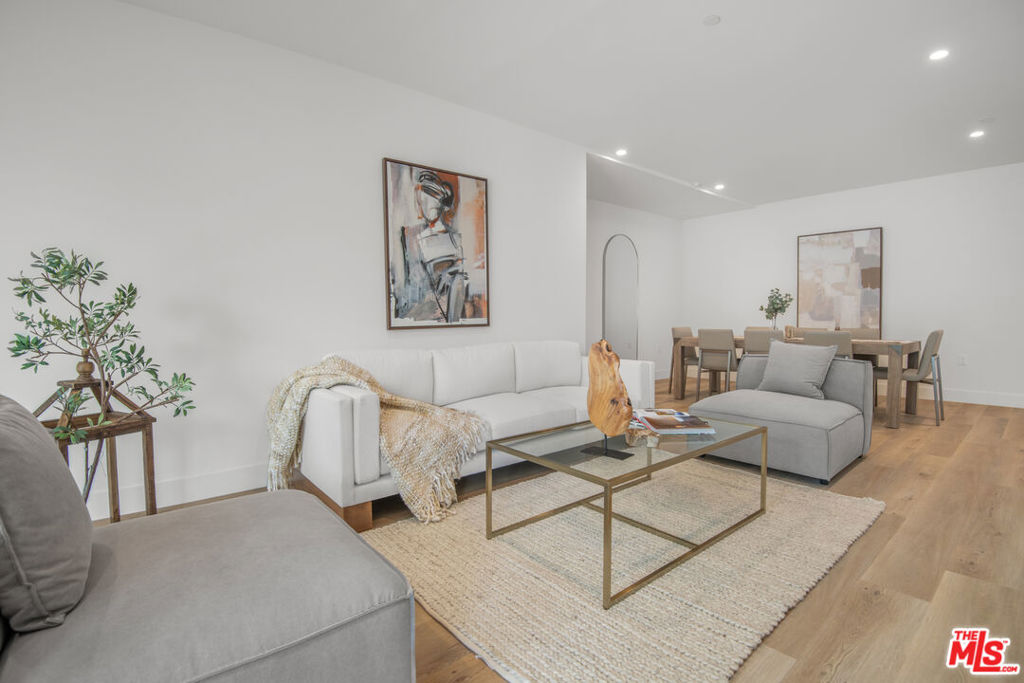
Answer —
778 304
93 331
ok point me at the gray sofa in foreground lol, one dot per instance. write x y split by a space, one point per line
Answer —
260 588
808 436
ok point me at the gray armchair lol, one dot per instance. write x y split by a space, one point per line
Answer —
807 436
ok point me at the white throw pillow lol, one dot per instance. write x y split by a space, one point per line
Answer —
404 372
541 364
471 371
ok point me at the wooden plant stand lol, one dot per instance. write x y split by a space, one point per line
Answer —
130 422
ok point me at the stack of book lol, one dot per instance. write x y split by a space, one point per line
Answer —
668 421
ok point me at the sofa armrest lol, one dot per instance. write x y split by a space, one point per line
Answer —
340 441
852 381
638 376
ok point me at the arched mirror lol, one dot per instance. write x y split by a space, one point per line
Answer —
620 293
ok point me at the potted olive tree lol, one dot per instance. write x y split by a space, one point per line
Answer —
63 320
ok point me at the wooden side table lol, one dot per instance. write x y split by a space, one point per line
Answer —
131 424
137 420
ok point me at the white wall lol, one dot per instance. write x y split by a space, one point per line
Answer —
239 187
952 249
658 241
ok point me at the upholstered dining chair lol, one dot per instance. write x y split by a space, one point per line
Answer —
678 384
928 371
801 332
717 353
757 339
863 332
842 340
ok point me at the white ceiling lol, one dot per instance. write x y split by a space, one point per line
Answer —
781 99
625 185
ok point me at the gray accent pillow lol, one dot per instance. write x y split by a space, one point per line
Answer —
797 369
45 529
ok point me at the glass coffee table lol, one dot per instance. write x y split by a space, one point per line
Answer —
562 449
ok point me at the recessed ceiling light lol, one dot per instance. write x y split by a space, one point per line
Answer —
711 20
977 134
939 55
719 187
621 152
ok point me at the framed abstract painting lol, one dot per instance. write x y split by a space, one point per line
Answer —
839 281
435 231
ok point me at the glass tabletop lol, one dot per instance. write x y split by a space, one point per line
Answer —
579 449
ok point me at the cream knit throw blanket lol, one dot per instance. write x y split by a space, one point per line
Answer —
423 444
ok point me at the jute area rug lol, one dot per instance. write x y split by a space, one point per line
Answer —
529 602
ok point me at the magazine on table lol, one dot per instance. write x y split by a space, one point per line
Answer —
668 421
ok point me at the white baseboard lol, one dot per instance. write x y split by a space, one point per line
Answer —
985 398
181 490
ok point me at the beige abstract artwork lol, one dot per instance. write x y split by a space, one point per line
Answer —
839 280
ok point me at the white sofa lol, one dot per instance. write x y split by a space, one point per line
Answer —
516 387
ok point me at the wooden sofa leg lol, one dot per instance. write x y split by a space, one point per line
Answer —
359 517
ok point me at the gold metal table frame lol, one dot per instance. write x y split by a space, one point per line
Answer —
619 483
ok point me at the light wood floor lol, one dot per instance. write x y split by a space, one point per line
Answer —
948 551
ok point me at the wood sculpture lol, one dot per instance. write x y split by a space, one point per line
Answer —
607 400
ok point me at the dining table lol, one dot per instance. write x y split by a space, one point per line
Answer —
893 349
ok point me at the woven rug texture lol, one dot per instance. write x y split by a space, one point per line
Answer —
529 602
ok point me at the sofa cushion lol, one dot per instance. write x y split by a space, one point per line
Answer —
542 364
797 369
511 414
573 396
45 529
226 591
775 407
470 371
552 400
405 372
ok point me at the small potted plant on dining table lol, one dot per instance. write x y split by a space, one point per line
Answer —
100 336
778 304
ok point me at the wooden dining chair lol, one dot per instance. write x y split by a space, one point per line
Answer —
716 353
843 341
928 371
757 339
677 385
